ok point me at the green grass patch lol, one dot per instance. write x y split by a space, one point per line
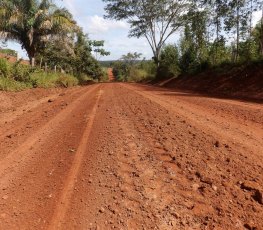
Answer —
7 84
49 80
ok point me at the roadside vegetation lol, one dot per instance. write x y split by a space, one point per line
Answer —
16 77
60 53
213 35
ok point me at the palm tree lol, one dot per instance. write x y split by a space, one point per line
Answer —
32 22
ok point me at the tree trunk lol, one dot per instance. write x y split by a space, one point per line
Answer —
32 61
261 33
41 60
238 35
157 63
45 67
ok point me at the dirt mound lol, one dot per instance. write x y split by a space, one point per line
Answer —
244 82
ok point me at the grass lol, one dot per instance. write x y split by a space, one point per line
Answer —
50 80
12 85
17 77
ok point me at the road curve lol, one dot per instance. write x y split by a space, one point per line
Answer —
129 156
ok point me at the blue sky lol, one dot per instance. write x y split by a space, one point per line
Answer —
89 15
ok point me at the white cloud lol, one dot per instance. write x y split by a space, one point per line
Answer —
96 24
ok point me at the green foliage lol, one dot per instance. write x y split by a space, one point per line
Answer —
121 71
169 62
16 77
155 20
97 47
34 21
8 52
66 81
21 72
49 80
73 56
4 68
8 84
130 69
104 77
137 75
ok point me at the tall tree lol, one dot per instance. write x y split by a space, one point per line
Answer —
156 20
97 48
237 21
217 10
32 22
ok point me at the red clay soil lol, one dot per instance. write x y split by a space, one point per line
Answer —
110 74
13 59
127 156
239 82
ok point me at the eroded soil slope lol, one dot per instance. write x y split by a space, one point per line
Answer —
127 156
244 82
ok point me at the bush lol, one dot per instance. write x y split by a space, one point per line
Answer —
12 85
169 62
66 81
21 72
43 80
137 75
4 68
48 80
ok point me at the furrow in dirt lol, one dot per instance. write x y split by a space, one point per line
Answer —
224 129
127 156
32 177
65 196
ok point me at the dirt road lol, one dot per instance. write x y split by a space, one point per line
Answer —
127 156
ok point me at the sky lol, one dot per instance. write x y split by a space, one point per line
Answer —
89 15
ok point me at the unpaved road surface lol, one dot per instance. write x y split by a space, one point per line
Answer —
127 156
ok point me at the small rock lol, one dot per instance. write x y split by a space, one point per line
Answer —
249 227
5 197
217 144
195 187
50 100
102 210
214 188
258 196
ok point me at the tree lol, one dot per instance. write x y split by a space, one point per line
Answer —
84 62
97 47
156 20
131 58
32 22
169 61
237 21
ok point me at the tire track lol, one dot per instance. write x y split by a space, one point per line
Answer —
226 130
64 201
40 106
9 164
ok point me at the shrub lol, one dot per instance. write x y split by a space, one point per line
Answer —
4 68
8 84
67 81
21 72
43 80
137 75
